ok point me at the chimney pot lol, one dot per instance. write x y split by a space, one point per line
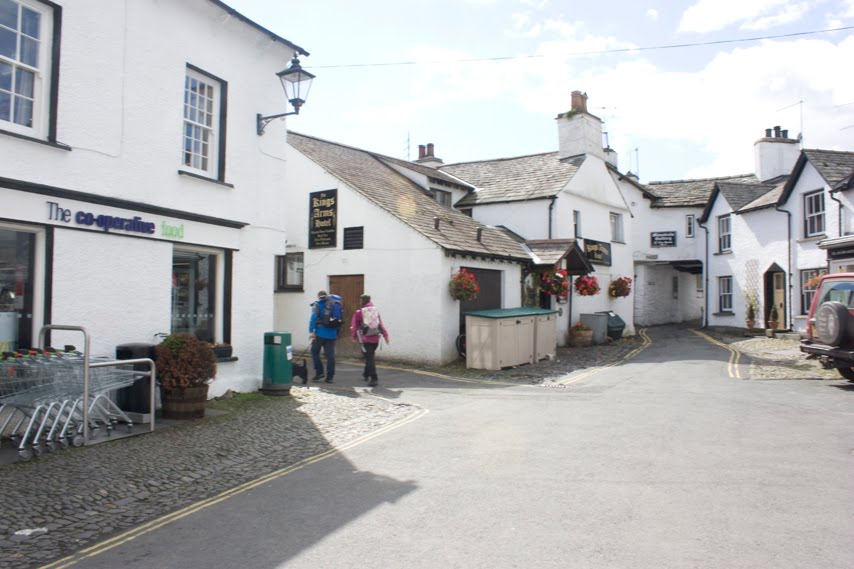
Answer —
420 151
785 133
479 233
777 132
767 133
430 149
579 101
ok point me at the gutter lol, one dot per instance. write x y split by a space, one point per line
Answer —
705 278
789 268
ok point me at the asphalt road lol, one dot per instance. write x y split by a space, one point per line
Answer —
664 461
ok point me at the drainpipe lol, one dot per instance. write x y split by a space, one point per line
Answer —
839 213
789 268
551 209
705 278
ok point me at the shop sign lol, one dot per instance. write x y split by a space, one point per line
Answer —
322 219
105 222
663 238
598 252
841 253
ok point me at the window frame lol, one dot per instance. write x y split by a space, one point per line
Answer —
46 75
576 223
690 226
724 234
282 284
725 294
348 234
807 294
217 150
616 222
219 287
812 217
443 197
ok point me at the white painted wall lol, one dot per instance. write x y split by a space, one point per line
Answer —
120 111
405 273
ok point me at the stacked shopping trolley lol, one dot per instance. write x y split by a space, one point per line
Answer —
58 398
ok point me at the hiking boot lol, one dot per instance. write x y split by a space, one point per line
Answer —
328 380
373 383
318 377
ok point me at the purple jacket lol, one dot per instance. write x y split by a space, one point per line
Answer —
356 326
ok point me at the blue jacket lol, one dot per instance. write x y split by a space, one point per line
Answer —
314 326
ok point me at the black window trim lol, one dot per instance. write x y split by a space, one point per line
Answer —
223 121
282 273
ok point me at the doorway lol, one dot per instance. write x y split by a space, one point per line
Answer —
17 254
489 296
349 288
775 294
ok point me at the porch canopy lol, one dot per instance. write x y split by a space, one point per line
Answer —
549 252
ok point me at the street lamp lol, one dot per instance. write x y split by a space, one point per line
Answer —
296 82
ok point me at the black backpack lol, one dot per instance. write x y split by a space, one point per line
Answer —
332 314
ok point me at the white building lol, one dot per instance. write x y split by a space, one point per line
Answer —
133 182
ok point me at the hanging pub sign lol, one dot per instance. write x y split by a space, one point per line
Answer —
662 239
598 252
322 219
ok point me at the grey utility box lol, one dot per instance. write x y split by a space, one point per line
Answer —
599 324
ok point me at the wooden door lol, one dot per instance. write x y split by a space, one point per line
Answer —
489 296
780 298
349 288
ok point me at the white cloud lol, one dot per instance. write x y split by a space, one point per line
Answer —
536 4
522 26
652 14
789 14
712 15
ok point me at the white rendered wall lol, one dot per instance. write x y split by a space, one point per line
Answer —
580 134
775 157
529 219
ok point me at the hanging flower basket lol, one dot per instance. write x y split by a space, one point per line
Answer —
555 282
619 287
813 281
586 285
463 286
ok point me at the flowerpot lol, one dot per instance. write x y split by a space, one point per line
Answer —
186 403
750 324
581 338
772 324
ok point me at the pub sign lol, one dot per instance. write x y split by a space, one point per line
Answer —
323 219
598 252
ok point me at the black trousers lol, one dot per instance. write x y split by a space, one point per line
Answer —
370 360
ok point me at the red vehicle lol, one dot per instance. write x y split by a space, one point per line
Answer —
830 324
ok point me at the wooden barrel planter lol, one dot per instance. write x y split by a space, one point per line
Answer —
581 338
186 403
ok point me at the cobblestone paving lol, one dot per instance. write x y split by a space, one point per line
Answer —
82 496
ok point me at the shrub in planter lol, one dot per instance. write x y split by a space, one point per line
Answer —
580 334
185 366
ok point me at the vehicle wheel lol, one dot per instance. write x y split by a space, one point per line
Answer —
846 372
461 345
25 454
831 319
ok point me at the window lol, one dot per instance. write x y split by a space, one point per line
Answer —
814 214
724 234
466 211
194 280
689 225
26 74
289 272
725 294
675 287
576 224
443 198
807 291
354 238
204 124
17 259
616 227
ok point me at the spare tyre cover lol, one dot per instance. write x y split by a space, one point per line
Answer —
831 321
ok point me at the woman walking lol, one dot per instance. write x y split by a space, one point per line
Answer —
366 328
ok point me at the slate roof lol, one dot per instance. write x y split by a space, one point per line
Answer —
367 174
691 193
739 195
428 171
834 166
522 178
768 199
275 37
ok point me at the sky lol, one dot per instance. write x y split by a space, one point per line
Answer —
485 79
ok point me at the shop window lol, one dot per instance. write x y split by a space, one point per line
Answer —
194 280
289 272
17 251
354 238
204 124
27 78
814 214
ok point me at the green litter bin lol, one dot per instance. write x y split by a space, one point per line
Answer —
278 371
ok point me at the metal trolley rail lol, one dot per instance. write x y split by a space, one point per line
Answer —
58 398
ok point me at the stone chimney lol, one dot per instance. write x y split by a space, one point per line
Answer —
775 154
579 132
426 157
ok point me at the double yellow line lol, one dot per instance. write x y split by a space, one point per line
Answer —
149 527
646 342
734 355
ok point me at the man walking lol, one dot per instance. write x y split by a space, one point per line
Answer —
326 316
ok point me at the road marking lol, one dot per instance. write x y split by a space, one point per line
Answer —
734 355
448 377
149 527
587 373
